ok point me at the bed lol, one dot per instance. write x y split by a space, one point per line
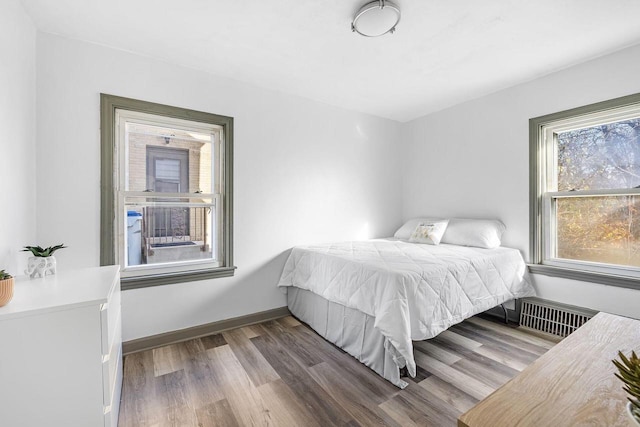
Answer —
373 298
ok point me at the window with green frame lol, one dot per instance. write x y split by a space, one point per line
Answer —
166 192
585 193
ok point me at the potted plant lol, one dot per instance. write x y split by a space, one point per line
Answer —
42 262
6 288
629 373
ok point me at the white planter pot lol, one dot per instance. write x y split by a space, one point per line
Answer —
40 266
634 421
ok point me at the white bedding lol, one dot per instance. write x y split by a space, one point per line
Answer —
414 291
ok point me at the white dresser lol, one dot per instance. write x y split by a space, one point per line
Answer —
61 350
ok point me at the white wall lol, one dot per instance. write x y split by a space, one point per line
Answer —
472 160
17 135
304 172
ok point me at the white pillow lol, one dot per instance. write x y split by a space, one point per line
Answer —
408 227
481 233
429 232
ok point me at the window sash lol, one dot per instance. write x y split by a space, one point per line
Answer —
129 199
126 198
548 146
145 198
549 236
121 161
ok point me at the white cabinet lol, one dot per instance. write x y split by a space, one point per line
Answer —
61 350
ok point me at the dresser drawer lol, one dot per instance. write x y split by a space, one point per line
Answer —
111 411
110 320
110 365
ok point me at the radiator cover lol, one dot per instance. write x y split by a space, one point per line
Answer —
553 317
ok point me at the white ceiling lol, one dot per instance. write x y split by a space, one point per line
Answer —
443 52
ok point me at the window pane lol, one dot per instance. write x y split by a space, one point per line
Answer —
168 160
602 229
600 157
165 232
167 169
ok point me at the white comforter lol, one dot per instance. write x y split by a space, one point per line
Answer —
413 291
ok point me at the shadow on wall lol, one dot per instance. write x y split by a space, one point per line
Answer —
267 275
258 285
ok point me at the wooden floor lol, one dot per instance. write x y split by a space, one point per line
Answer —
281 373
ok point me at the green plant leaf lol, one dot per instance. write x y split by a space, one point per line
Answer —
40 252
629 374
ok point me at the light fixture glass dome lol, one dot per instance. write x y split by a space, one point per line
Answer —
376 18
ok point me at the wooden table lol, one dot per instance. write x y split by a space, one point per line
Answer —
573 384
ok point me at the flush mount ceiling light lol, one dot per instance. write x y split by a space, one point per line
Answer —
376 18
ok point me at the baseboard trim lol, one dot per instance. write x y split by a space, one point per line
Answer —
147 343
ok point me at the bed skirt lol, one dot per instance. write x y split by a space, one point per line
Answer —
349 329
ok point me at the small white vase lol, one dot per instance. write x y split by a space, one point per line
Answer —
634 421
40 266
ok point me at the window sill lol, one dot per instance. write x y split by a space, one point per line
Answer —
585 276
127 283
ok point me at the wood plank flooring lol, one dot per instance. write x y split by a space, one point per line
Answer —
281 373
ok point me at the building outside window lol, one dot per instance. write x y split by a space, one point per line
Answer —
585 193
167 199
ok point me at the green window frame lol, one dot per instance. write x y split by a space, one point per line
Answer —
542 148
109 105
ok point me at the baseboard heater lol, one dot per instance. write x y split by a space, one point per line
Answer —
553 317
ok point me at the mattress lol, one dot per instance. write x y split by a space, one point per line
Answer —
412 291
